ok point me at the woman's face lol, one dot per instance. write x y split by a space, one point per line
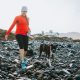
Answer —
23 13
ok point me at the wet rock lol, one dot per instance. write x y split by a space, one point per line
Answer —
11 76
70 78
15 73
16 61
0 76
30 52
67 72
77 77
69 45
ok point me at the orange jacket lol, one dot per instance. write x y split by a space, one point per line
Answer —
22 25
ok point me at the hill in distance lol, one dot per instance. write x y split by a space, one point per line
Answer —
73 35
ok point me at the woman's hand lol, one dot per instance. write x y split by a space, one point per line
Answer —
6 37
29 33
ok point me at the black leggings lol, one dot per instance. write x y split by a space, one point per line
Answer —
22 41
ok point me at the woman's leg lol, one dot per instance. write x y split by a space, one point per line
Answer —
25 52
25 45
25 42
19 39
21 54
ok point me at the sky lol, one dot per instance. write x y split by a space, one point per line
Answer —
57 15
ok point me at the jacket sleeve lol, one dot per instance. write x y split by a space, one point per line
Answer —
11 27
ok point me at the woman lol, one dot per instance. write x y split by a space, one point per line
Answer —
22 31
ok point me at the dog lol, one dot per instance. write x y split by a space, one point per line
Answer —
47 48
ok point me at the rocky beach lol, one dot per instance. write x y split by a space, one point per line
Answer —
64 66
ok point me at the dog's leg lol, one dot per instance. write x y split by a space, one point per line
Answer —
49 55
49 62
46 54
40 53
